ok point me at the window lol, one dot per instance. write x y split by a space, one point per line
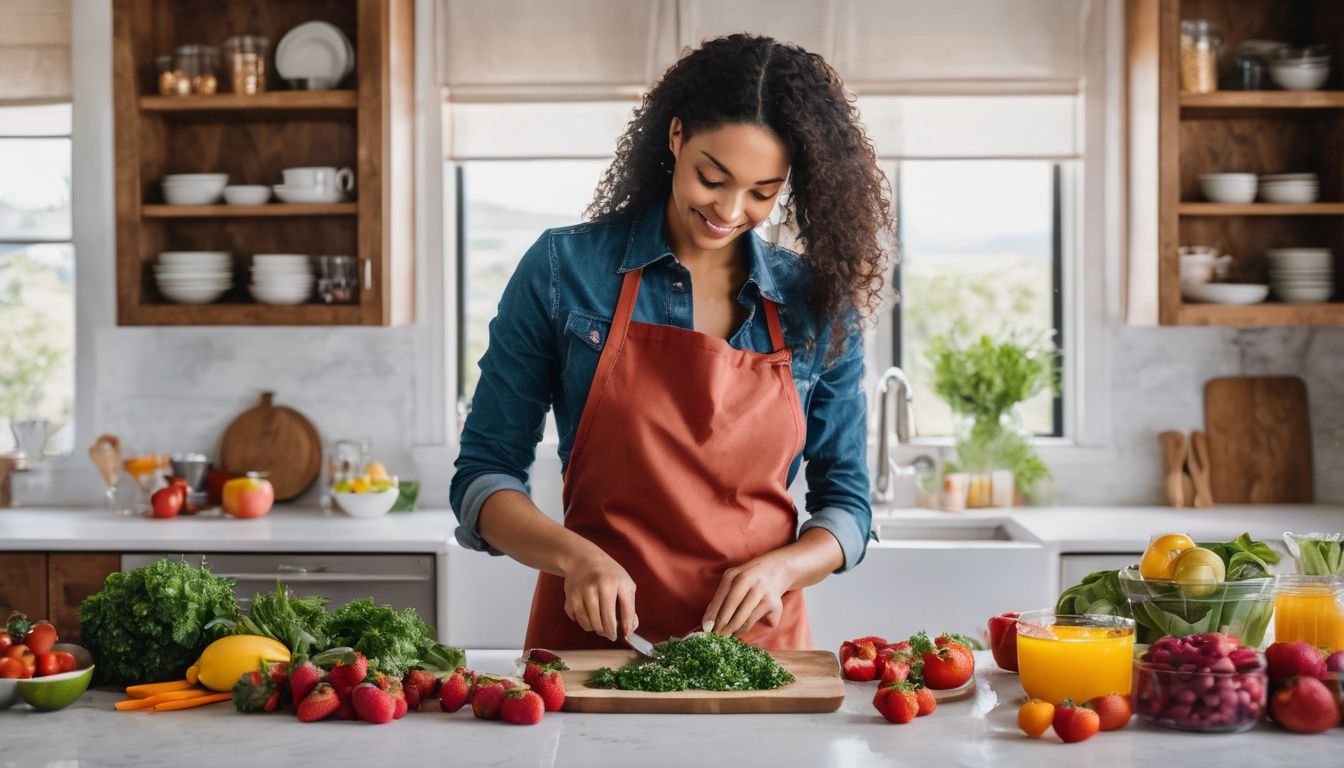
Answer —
37 308
981 253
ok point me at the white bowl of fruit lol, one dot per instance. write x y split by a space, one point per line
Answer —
370 494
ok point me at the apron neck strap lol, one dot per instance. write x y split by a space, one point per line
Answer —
772 320
625 306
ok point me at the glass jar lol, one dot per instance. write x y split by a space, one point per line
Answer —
1310 609
197 67
1200 44
986 448
245 60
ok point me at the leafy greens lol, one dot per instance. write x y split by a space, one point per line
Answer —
297 623
393 642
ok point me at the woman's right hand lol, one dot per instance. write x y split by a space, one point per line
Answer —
600 595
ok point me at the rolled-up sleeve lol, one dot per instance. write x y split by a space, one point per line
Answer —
837 457
508 411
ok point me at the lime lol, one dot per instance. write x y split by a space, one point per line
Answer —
56 691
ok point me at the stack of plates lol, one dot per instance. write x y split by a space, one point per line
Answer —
1290 188
1302 275
314 55
194 277
281 278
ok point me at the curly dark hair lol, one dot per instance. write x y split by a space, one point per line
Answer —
839 200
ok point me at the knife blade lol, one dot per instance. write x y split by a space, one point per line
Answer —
641 646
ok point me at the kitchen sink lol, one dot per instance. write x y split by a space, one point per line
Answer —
904 531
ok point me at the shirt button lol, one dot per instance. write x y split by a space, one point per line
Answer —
678 286
594 337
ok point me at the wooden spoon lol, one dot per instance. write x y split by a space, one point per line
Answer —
1173 466
1198 461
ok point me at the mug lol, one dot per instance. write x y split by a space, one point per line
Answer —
320 177
1200 263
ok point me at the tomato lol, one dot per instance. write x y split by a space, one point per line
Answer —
17 651
40 638
167 502
67 660
5 640
10 668
48 664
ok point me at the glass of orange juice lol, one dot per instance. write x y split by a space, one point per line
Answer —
1310 609
1074 657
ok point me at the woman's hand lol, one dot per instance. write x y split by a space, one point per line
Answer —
750 593
600 595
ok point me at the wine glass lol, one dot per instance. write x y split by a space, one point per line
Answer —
148 470
106 455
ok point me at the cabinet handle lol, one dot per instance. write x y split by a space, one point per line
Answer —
327 577
368 274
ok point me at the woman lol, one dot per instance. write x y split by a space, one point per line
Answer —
691 365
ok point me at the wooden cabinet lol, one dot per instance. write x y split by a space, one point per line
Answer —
366 125
1260 132
51 586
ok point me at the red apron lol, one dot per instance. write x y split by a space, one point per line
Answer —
679 472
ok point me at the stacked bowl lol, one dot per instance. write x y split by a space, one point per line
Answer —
1228 187
194 188
1301 275
1300 69
194 277
1290 188
281 278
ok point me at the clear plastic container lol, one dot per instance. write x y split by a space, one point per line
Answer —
1200 699
1200 43
1310 609
1161 607
245 60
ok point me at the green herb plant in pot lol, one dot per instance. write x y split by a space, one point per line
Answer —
984 382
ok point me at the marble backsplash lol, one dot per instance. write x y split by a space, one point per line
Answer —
176 389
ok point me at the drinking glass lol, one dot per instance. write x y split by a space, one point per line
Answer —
106 455
148 471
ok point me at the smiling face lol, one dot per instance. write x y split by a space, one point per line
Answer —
725 182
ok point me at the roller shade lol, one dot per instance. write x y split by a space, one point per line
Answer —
34 51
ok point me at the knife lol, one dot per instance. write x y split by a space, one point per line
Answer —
642 646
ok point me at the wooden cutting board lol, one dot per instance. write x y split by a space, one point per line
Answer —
276 440
817 688
1259 434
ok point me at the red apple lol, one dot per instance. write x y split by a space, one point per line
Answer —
167 502
248 496
1305 705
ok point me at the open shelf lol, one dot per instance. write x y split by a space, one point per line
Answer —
156 211
261 102
1261 315
1261 209
1263 100
250 314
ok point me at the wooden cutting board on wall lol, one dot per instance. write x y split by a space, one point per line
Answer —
276 440
1259 439
817 688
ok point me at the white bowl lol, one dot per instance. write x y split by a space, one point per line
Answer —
308 194
192 295
1277 177
268 297
372 504
220 178
1302 258
1225 293
247 194
1299 78
192 194
1228 187
1304 294
1271 193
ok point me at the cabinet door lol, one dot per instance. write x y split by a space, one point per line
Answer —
71 577
23 584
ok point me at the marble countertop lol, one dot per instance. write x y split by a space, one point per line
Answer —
978 731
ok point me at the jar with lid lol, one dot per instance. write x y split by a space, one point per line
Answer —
245 59
1310 609
1200 44
198 65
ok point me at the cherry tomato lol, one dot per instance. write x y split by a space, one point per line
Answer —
5 640
17 651
67 660
40 638
48 664
10 668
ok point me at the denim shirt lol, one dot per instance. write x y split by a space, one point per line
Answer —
548 334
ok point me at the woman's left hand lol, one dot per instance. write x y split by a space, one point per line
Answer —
750 593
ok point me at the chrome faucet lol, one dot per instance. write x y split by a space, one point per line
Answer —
884 487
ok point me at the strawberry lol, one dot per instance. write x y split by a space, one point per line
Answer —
1113 711
253 691
350 670
946 667
346 710
411 694
273 701
895 671
521 707
1075 722
372 704
550 686
423 679
41 636
454 692
543 656
303 677
897 702
926 700
485 704
318 704
859 669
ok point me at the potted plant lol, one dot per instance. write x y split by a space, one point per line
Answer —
984 381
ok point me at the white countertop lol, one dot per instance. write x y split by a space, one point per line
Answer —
978 731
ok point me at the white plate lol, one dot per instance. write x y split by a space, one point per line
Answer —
1225 293
314 50
308 195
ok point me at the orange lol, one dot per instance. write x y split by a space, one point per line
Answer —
376 471
1035 716
1159 560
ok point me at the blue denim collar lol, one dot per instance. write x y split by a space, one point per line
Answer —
648 245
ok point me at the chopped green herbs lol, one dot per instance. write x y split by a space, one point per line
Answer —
704 662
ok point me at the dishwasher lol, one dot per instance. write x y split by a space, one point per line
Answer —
401 581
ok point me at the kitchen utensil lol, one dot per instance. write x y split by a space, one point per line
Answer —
1228 187
300 195
1173 466
7 464
274 439
1197 459
320 177
817 688
1225 293
1259 435
644 647
247 194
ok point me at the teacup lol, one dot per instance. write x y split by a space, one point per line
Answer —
320 177
1200 263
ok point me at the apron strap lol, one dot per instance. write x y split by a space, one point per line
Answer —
772 320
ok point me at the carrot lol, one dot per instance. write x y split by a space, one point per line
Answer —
149 701
149 689
189 703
